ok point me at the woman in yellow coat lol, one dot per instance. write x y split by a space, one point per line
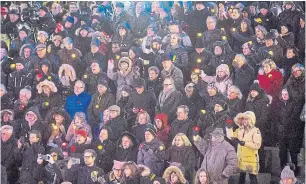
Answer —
249 142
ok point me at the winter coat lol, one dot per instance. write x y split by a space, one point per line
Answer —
243 78
18 80
274 52
271 82
253 62
46 23
270 21
210 37
181 59
221 84
181 126
43 128
48 174
177 76
89 57
248 158
286 64
123 17
8 160
209 121
239 38
35 62
66 88
139 131
27 155
118 125
291 17
170 104
186 42
11 121
72 132
148 157
77 103
79 174
139 24
155 86
195 103
219 159
105 154
209 100
300 42
82 43
6 101
178 172
98 105
285 40
297 87
129 154
16 46
201 61
235 106
20 109
260 106
125 42
72 57
91 81
54 100
146 101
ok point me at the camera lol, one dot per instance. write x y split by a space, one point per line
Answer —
75 161
44 157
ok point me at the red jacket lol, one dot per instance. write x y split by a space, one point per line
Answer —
163 134
272 82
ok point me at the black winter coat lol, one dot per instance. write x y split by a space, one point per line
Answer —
125 155
98 56
46 103
287 64
210 37
18 80
155 86
105 155
181 126
79 174
275 52
298 87
270 21
47 23
235 106
91 81
118 125
243 78
140 24
145 101
300 43
201 61
195 104
6 101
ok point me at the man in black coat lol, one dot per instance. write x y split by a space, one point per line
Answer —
46 22
212 35
290 15
265 17
8 145
10 28
120 16
140 21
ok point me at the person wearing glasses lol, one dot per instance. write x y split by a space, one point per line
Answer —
51 172
79 101
88 173
116 175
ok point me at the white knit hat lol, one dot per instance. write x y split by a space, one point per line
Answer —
287 173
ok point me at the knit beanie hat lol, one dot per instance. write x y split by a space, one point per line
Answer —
70 19
263 5
151 128
82 133
255 86
287 173
127 89
95 41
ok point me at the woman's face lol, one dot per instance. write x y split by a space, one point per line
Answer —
150 32
284 30
221 73
267 69
287 181
297 72
218 108
127 171
254 93
113 114
290 53
159 123
122 31
174 40
142 119
152 75
124 66
259 33
83 32
46 89
173 177
126 142
132 54
245 121
203 177
45 68
1 92
179 141
78 121
103 135
58 119
231 94
244 26
117 173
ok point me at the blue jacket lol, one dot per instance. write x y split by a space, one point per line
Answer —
78 103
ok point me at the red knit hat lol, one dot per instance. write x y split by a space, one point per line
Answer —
82 133
163 117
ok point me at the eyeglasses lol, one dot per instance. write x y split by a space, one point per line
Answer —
87 157
78 87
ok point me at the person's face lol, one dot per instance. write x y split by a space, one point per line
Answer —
162 13
101 89
113 114
218 50
31 117
139 7
68 24
200 6
189 91
211 91
45 68
2 53
194 78
124 66
211 24
115 48
166 64
127 171
88 158
155 7
302 23
231 94
203 177
78 88
245 14
5 135
54 156
46 89
254 93
150 32
215 138
218 108
173 178
103 135
148 136
124 94
41 52
245 122
159 123
152 75
288 6
132 54
119 10
73 8
57 43
14 18
259 33
284 30
33 138
246 51
285 95
94 48
139 90
179 141
174 29
117 173
142 119
221 73
199 50
80 139
297 72
269 42
252 9
42 38
83 32
126 142
95 68
69 46
181 114
42 13
244 25
155 46
267 69
22 35
174 40
55 9
122 31
58 119
263 11
78 121
290 53
156 182
1 92
235 14
167 85
23 97
287 181
27 52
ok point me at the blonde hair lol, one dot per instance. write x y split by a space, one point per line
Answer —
183 137
237 90
269 62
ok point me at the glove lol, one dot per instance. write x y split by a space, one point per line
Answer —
237 141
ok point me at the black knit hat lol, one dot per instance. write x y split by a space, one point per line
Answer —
263 5
199 44
44 8
220 102
152 129
255 86
103 82
139 82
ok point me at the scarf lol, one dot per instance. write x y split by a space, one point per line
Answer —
164 95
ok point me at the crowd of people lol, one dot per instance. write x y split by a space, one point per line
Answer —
150 92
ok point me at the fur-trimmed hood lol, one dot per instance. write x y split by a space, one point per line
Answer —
127 60
10 112
62 112
177 171
144 170
48 83
65 67
35 110
21 52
